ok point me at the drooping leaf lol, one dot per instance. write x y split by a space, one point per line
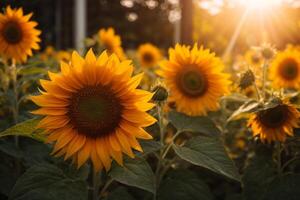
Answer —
245 109
135 172
26 129
183 185
48 182
208 152
194 124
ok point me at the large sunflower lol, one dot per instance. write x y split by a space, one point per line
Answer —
18 35
275 123
285 69
111 42
93 110
149 55
195 79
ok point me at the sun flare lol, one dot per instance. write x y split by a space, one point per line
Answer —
260 4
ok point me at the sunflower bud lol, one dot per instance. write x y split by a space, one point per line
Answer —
247 79
160 92
267 51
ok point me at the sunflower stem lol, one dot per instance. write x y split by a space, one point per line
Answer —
265 67
160 115
278 159
15 107
96 184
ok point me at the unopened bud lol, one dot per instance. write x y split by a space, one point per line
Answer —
247 79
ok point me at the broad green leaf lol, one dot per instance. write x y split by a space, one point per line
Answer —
245 109
119 194
26 129
48 182
32 70
183 185
10 149
149 146
35 152
194 124
208 152
135 172
8 177
258 175
285 187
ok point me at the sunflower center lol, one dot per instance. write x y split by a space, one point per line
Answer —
12 33
255 59
274 117
108 46
148 57
289 69
95 111
192 82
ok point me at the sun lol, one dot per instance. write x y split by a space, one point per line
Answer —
260 4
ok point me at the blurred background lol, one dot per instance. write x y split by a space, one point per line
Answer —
213 23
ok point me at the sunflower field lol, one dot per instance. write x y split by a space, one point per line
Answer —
150 100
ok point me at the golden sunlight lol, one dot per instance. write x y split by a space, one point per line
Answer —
260 4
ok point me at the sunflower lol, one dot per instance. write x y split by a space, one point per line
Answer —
195 79
18 36
148 55
254 58
93 110
285 69
275 123
111 42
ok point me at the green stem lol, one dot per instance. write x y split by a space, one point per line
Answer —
170 145
289 162
257 92
161 139
265 67
278 155
105 187
96 184
15 108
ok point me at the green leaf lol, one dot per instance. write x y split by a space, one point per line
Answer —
285 187
8 176
183 185
149 146
203 125
10 149
32 70
258 175
208 152
246 108
26 129
118 194
48 182
135 172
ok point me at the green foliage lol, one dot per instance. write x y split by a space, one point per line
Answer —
208 152
259 173
285 187
48 182
184 185
135 172
193 124
119 193
26 129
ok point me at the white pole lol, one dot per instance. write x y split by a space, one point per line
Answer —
80 24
